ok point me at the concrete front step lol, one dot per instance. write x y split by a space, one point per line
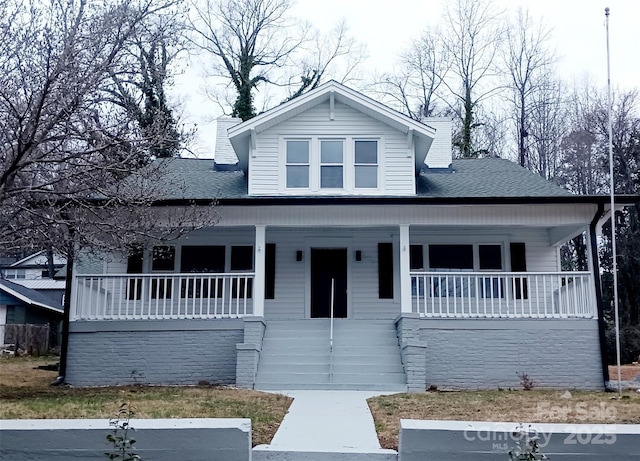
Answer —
263 453
324 325
323 367
296 355
392 388
303 349
337 378
339 340
281 358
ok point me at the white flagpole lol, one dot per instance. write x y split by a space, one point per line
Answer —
613 210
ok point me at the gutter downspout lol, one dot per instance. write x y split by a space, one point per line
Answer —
600 302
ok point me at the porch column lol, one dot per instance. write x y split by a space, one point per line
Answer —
258 281
405 276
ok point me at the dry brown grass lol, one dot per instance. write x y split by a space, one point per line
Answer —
510 406
25 394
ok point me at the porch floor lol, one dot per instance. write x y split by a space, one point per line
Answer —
326 425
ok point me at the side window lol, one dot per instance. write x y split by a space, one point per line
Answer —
241 260
134 266
366 164
519 264
202 259
457 257
416 258
490 257
163 258
297 164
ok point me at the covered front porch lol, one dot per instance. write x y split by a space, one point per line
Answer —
295 273
434 295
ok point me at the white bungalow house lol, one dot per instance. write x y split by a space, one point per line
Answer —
351 252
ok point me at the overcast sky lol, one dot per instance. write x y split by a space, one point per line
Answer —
386 26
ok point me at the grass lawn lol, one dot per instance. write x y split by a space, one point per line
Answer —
535 406
25 393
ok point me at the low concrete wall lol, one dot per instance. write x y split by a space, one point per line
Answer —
153 352
156 439
484 353
462 440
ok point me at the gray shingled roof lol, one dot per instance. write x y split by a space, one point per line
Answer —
29 296
488 177
195 179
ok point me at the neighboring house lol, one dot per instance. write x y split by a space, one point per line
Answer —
438 272
22 305
33 267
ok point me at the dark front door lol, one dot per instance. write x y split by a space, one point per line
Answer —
328 265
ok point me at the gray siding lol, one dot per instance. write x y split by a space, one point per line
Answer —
153 352
398 174
491 353
292 277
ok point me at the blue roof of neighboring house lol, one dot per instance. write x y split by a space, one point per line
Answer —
29 296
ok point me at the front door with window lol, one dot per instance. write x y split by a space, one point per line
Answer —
328 265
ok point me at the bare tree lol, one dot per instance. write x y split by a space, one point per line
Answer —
65 148
413 89
248 41
528 60
139 87
335 53
546 127
256 44
472 38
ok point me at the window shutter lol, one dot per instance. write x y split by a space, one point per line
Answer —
270 271
385 270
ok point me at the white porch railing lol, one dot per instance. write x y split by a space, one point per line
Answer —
503 294
162 296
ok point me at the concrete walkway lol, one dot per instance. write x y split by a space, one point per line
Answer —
326 425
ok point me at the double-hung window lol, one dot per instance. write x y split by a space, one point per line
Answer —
331 164
366 163
298 164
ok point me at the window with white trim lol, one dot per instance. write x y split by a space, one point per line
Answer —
297 162
331 164
366 163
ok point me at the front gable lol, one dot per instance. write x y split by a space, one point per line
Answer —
332 141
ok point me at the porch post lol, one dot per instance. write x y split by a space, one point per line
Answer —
405 276
258 282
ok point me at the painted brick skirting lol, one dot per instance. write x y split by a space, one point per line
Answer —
495 353
249 352
184 352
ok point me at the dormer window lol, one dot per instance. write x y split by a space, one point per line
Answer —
331 165
298 164
366 164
